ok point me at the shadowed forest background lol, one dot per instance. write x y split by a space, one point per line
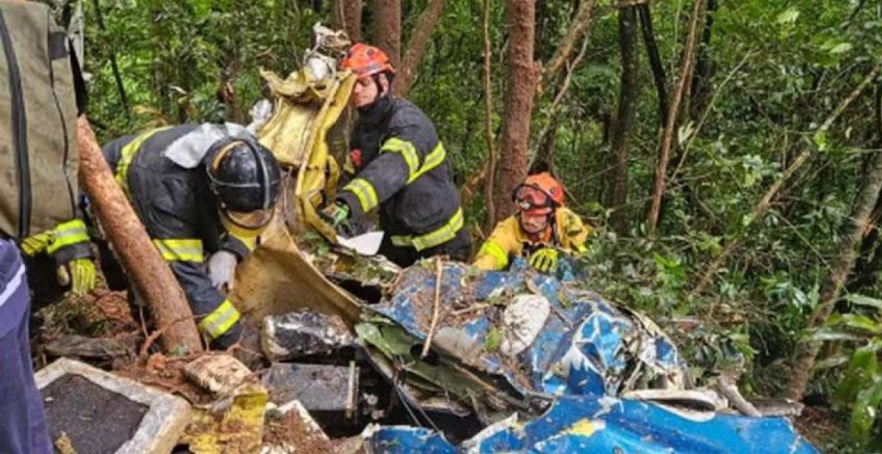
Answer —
728 152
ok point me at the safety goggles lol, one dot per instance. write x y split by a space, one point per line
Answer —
533 200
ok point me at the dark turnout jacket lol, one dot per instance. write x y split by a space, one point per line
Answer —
400 166
162 174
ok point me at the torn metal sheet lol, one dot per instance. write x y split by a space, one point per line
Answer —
586 345
303 333
589 423
318 387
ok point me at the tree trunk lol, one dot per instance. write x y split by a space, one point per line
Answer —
522 78
387 28
855 230
347 17
869 262
664 150
616 181
701 86
150 273
655 63
417 46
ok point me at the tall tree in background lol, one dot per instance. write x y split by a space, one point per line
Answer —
387 28
520 87
655 62
347 16
614 187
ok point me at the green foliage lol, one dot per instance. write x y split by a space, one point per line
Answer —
776 71
860 388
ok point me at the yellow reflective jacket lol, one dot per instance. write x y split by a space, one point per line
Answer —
508 240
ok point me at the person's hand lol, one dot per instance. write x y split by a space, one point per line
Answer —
336 214
544 260
221 268
81 274
68 243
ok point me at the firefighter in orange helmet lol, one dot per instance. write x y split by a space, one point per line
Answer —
541 230
398 166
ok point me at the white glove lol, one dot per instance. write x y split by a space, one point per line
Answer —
221 268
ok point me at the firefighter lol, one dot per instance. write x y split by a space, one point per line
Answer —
201 189
541 230
397 163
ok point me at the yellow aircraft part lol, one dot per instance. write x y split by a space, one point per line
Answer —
238 429
279 276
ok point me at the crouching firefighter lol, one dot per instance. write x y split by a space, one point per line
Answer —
201 189
397 163
541 230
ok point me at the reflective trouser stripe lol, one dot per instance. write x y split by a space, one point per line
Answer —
127 155
365 192
12 285
189 250
433 238
220 320
68 234
495 251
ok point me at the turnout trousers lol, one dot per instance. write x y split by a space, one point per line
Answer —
23 428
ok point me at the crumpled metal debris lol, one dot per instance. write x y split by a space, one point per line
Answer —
303 333
578 343
590 423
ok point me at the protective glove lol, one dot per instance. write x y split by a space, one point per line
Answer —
544 260
68 243
80 274
221 268
336 214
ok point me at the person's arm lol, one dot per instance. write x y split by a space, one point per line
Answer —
215 314
496 251
401 156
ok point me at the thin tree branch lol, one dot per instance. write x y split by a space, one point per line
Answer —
668 134
423 29
763 205
114 67
578 28
490 217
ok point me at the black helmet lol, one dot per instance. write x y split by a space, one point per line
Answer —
245 178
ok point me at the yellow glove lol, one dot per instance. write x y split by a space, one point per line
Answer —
68 242
544 260
36 244
82 275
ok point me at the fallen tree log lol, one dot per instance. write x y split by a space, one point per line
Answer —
150 274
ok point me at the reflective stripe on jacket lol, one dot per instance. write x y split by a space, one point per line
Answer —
508 240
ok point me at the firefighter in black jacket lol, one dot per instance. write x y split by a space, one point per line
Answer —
201 188
400 165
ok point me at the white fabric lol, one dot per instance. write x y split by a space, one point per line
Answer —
188 150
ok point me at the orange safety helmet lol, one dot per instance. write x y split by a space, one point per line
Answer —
539 194
366 60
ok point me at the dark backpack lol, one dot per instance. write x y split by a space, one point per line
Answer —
38 110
